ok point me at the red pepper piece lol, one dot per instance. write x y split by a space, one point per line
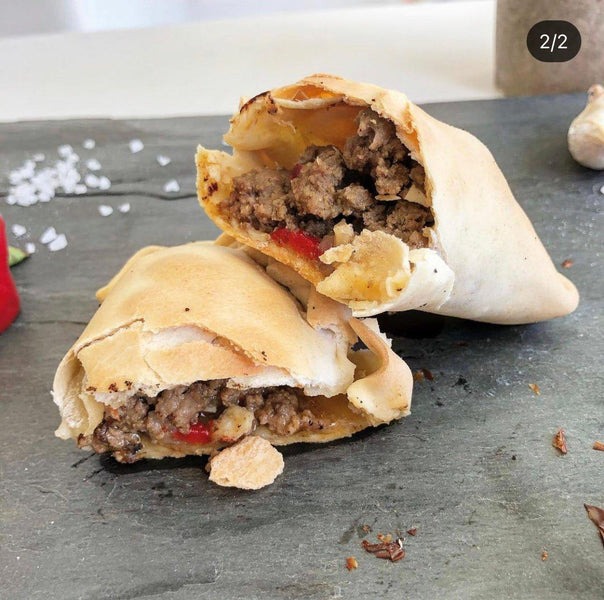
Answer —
295 171
199 433
9 297
300 241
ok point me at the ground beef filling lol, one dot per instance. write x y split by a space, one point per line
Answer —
363 185
282 409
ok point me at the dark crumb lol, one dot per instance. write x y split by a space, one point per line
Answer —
392 551
461 344
412 531
423 374
596 516
366 528
544 556
535 389
513 457
559 441
598 446
568 263
187 309
351 563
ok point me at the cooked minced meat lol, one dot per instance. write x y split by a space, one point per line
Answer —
281 409
362 184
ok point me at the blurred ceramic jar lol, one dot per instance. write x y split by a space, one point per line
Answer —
518 72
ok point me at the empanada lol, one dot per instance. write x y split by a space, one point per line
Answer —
195 347
379 205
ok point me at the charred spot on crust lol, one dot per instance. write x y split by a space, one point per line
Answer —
213 187
254 99
112 387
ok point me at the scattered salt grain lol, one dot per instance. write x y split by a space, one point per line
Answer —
163 160
30 247
88 144
80 189
104 183
92 181
11 199
18 230
105 210
171 186
124 208
93 164
135 146
46 196
48 236
602 190
58 243
65 150
39 157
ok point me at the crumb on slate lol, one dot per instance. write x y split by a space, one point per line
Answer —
559 441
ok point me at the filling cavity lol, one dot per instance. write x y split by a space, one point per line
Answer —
187 414
365 184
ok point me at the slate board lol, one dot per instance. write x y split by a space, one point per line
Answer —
472 467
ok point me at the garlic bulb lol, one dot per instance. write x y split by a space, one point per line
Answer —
586 132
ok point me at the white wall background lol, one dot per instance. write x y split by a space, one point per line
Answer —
22 17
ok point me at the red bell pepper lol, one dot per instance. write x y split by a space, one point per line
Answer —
9 297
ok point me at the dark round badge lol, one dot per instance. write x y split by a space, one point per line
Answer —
553 41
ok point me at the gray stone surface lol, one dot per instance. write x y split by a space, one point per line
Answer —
472 467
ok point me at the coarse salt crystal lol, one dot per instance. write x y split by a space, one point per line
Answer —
104 183
48 236
58 243
89 144
65 150
30 247
11 199
602 190
38 157
124 208
18 230
163 160
91 180
171 186
135 146
105 210
93 164
80 189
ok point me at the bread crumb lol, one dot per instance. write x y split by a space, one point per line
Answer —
568 263
598 446
423 374
544 556
535 389
559 441
250 464
351 563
